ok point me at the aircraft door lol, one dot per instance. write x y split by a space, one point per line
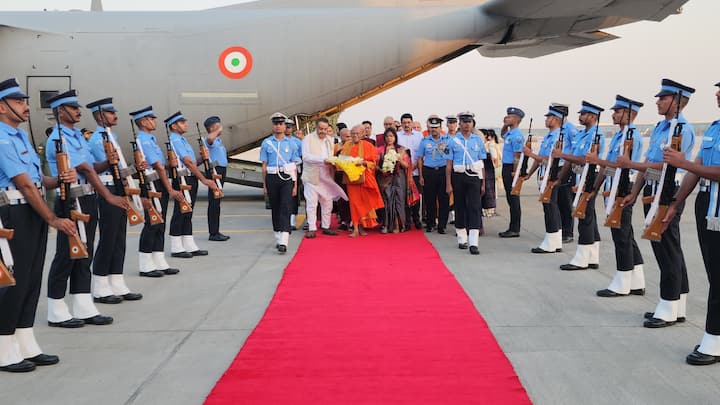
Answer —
40 89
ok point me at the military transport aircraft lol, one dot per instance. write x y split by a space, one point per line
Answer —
244 62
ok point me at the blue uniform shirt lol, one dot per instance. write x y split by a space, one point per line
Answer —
433 151
17 156
659 138
513 143
288 149
616 144
182 148
75 146
548 143
151 149
584 140
710 149
458 146
96 145
570 132
218 153
298 144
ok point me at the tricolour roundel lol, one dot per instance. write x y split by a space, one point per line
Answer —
235 62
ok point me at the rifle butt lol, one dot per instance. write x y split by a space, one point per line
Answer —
133 216
546 196
78 250
155 217
581 208
185 207
6 233
6 278
614 220
518 187
654 232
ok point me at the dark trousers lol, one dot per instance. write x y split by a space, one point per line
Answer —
63 268
588 232
152 237
414 211
564 202
710 249
551 212
512 200
627 253
437 200
468 209
18 304
670 258
110 255
213 209
280 195
181 224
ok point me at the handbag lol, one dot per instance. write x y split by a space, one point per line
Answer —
6 276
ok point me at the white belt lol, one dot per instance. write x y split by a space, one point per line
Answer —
13 196
107 179
275 170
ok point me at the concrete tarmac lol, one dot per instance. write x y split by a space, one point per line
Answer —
567 345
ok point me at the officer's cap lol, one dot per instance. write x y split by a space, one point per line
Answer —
69 98
278 118
11 89
210 121
174 118
434 121
451 118
466 116
515 111
145 112
557 110
289 122
104 104
717 84
590 108
624 102
670 87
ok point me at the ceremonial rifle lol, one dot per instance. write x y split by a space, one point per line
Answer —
521 170
210 172
177 175
550 178
583 197
666 186
146 178
68 208
6 264
621 183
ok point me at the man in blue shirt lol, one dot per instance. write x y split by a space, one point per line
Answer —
432 159
705 169
218 155
23 185
464 174
674 284
629 278
63 269
513 142
565 186
182 243
587 254
151 257
279 156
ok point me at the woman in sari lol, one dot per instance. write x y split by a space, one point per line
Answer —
364 197
394 162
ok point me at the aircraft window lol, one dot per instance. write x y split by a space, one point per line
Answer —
45 95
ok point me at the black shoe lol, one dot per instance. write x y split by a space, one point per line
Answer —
218 237
594 266
131 296
649 315
110 299
509 234
701 359
571 267
462 245
606 293
99 320
182 255
343 227
70 323
418 225
153 273
170 271
310 234
538 250
654 323
428 229
641 291
474 250
44 359
442 231
199 253
282 248
329 232
567 239
22 367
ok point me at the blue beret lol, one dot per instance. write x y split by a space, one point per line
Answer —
11 89
68 98
210 121
104 104
515 111
671 87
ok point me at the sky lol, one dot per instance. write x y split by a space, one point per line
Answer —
681 48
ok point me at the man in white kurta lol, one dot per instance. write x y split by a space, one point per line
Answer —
318 178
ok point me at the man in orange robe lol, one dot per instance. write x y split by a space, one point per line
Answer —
364 198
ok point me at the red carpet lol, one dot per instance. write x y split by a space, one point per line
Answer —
373 320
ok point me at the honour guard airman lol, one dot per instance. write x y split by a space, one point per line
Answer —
674 286
432 162
513 141
279 156
566 184
24 220
464 174
81 205
218 155
705 170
